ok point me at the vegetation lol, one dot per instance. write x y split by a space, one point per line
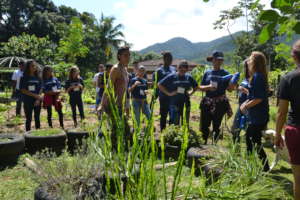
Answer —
46 132
45 32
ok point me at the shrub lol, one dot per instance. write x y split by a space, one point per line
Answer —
173 135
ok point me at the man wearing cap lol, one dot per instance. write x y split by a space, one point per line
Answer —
179 86
215 103
164 100
138 87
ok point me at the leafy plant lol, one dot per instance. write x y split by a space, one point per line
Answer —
30 47
174 135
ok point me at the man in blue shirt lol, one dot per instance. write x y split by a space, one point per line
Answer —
177 86
164 100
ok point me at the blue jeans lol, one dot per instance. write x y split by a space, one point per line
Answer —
98 99
176 112
138 105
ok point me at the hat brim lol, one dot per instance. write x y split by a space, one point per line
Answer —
220 58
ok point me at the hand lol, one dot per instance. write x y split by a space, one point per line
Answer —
99 110
278 141
39 97
170 94
37 103
244 90
137 83
243 107
211 88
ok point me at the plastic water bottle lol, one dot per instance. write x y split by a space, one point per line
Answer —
235 78
242 122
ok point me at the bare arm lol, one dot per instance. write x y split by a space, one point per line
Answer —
14 84
280 121
130 89
205 88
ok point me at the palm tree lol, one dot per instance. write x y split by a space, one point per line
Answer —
111 37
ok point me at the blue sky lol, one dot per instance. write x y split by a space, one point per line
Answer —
151 21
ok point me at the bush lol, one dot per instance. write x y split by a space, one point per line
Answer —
173 135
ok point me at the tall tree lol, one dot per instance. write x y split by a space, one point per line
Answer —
71 46
110 35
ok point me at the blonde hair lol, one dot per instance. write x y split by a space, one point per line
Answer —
73 70
258 63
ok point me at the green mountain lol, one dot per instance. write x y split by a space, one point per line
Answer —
184 49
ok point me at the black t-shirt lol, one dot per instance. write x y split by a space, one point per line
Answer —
289 89
75 93
32 84
139 91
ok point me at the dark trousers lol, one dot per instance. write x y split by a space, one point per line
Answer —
76 102
215 118
17 95
164 106
28 109
60 116
253 141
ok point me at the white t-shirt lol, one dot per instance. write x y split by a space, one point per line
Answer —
96 81
17 77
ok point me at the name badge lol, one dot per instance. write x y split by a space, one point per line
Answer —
180 90
214 84
142 92
76 89
31 88
54 88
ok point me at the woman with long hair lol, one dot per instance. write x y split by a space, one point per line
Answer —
257 105
289 94
240 120
74 87
52 89
31 88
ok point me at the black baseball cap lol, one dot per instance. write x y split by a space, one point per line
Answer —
217 55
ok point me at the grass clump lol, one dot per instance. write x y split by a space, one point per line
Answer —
46 132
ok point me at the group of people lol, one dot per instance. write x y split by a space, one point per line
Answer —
36 90
173 88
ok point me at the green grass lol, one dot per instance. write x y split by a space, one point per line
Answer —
46 132
5 140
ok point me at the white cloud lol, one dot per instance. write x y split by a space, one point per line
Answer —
148 22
